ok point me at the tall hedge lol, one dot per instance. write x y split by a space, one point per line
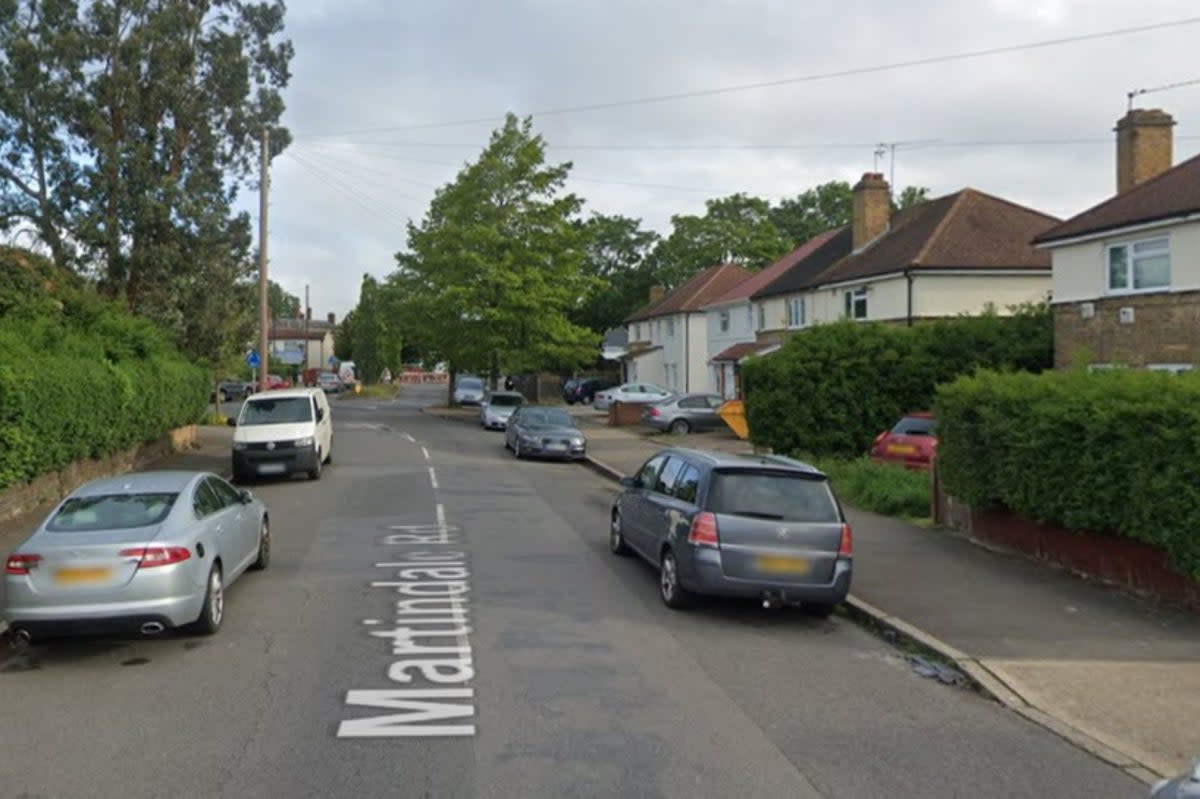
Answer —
79 377
832 388
1114 451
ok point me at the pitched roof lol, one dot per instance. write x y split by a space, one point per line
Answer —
739 351
696 293
964 230
1175 192
747 288
833 247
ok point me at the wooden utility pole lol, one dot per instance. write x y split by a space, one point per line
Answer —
264 307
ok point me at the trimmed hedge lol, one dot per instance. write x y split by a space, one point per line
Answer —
1114 451
831 389
79 377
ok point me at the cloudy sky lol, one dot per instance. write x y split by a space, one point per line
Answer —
374 81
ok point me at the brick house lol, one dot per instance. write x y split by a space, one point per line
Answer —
1127 271
304 343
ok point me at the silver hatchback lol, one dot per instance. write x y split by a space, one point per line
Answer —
139 552
732 525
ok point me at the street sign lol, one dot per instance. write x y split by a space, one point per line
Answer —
252 359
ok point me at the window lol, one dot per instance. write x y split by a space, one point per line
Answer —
856 303
670 327
762 316
1173 368
693 402
226 493
637 335
772 495
796 312
667 477
724 317
1139 265
205 501
286 410
649 473
687 484
749 317
657 328
111 512
914 426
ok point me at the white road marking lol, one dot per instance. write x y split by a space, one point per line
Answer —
425 452
441 515
410 438
433 478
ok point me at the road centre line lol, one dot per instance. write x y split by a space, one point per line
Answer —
433 478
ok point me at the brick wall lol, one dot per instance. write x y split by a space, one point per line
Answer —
1165 329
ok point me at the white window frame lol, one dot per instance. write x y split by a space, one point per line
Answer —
762 316
637 336
670 327
1131 260
750 317
796 312
1173 368
851 300
723 321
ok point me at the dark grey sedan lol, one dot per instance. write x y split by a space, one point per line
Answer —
538 431
733 525
685 413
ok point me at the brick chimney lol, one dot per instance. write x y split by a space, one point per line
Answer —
332 318
872 209
1144 145
657 292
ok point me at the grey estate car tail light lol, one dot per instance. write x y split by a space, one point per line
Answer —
704 531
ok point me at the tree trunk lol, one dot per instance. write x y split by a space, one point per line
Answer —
494 374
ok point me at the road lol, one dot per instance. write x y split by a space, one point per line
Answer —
561 674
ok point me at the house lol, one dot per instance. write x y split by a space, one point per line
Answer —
958 254
305 343
1127 271
615 344
732 320
668 338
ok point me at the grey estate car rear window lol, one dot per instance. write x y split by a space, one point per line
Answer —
111 512
285 410
772 495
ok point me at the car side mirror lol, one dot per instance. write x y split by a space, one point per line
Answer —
630 482
245 496
231 421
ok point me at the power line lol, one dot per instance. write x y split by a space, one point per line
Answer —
867 70
334 181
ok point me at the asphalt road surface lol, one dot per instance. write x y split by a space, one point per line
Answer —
532 663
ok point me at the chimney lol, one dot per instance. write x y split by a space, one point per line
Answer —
657 292
332 318
872 209
1144 143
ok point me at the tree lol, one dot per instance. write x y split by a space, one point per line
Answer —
281 304
497 264
814 211
616 248
736 229
369 334
912 195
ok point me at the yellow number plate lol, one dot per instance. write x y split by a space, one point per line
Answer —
781 565
902 449
79 576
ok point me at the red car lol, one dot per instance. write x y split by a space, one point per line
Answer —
911 442
275 381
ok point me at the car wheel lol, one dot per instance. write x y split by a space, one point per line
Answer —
315 472
223 396
681 427
213 611
818 610
673 594
264 547
329 455
616 539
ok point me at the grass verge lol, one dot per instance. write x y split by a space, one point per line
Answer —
878 487
374 391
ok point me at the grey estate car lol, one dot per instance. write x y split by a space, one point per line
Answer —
735 525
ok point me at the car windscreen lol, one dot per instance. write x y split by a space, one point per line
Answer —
547 417
914 426
470 384
284 410
111 512
505 401
779 496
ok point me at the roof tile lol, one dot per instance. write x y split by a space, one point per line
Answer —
696 293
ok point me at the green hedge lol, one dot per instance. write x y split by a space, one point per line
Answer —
833 388
1115 451
79 378
884 488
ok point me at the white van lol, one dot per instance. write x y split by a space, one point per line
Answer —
279 433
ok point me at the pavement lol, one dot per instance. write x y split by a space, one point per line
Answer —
1114 674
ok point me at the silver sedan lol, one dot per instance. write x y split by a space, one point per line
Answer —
139 552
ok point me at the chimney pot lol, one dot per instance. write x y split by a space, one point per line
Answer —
1144 146
332 318
872 209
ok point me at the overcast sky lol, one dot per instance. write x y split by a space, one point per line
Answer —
341 197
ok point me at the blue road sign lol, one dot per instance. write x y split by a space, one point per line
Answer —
332 361
252 359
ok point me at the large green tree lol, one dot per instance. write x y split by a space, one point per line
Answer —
281 304
827 206
616 249
370 335
497 265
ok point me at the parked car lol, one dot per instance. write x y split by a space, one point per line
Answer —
629 392
684 414
538 431
274 382
568 389
330 383
911 442
139 552
230 389
468 391
584 391
281 433
735 525
1186 786
498 408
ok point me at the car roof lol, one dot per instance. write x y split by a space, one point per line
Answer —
729 460
283 393
164 481
508 394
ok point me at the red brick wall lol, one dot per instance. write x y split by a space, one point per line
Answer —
1165 329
